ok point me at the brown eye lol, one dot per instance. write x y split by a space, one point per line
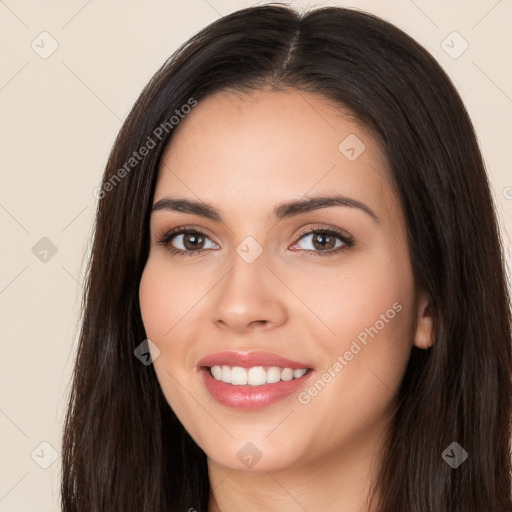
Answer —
322 241
186 241
193 241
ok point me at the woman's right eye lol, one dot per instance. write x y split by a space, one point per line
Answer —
188 241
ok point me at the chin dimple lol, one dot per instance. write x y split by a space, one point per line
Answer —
254 376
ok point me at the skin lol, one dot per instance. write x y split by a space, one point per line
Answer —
245 154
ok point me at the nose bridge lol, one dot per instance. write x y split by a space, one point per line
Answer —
247 294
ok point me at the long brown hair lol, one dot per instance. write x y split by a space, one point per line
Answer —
123 447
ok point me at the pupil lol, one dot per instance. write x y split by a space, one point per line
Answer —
326 239
195 237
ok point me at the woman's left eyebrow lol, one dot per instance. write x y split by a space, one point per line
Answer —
281 211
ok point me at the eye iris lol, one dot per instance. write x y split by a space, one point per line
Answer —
321 238
197 240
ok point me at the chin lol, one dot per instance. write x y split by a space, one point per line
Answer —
253 455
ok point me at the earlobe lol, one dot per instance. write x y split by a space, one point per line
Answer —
424 335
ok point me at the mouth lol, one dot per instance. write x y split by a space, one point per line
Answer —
252 380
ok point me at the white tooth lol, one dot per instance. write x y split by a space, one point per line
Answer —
238 375
273 374
226 374
287 374
257 376
217 372
299 373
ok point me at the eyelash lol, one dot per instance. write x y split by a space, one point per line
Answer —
348 241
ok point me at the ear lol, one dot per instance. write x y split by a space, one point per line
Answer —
424 335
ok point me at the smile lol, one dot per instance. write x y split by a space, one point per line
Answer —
252 379
256 375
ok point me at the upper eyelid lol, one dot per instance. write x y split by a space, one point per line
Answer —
180 230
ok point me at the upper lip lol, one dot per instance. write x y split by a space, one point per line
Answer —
250 359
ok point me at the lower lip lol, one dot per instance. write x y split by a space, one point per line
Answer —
251 397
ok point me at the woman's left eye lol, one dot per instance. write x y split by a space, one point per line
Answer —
322 242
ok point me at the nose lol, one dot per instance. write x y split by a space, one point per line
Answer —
249 297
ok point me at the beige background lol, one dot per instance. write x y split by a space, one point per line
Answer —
59 118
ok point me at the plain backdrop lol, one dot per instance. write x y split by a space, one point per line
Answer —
69 76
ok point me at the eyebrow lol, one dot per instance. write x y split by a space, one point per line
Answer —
281 211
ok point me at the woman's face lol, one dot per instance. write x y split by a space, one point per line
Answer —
261 283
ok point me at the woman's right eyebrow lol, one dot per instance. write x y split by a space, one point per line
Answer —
188 206
281 211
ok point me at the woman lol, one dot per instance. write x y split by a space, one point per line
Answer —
296 298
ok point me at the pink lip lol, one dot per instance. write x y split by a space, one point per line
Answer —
251 397
249 359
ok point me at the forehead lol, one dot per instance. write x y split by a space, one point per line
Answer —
272 145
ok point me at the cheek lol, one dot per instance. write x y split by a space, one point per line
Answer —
370 313
363 294
165 299
371 317
154 301
166 306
